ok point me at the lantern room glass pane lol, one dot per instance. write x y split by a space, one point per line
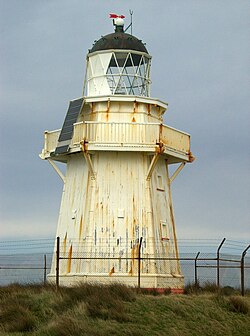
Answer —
128 74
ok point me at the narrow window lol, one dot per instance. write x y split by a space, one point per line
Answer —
160 183
164 231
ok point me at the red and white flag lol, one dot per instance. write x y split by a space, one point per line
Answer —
115 16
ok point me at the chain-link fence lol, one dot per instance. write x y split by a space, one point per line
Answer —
222 263
25 261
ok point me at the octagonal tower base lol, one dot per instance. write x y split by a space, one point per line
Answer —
156 282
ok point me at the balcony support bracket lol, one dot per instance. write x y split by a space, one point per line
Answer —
57 169
177 171
154 160
87 157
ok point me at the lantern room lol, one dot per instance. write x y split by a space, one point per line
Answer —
118 64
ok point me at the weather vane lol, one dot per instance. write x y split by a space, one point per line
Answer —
116 20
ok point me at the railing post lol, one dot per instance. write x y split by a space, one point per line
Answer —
46 141
218 262
57 261
243 270
139 265
45 270
195 270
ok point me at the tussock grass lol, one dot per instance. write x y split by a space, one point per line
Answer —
211 287
17 317
117 310
192 288
238 304
101 301
151 291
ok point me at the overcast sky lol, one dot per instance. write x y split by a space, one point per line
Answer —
200 66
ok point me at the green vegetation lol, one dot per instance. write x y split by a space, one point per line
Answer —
96 310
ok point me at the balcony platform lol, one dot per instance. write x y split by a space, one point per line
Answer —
117 136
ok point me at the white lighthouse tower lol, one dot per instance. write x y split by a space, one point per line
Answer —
116 188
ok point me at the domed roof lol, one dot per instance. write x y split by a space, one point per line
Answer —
119 40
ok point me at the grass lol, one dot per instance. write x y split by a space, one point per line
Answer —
98 310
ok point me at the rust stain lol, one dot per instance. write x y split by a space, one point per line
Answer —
160 148
134 254
84 145
64 243
157 149
135 107
149 109
107 111
191 157
85 209
80 229
160 132
134 222
133 119
69 259
91 111
132 260
112 271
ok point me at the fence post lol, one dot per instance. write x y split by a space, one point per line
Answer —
57 260
195 270
139 265
243 270
45 270
218 262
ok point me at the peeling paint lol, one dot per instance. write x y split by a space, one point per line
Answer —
69 259
80 229
111 271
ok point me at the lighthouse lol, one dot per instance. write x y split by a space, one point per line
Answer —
117 188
